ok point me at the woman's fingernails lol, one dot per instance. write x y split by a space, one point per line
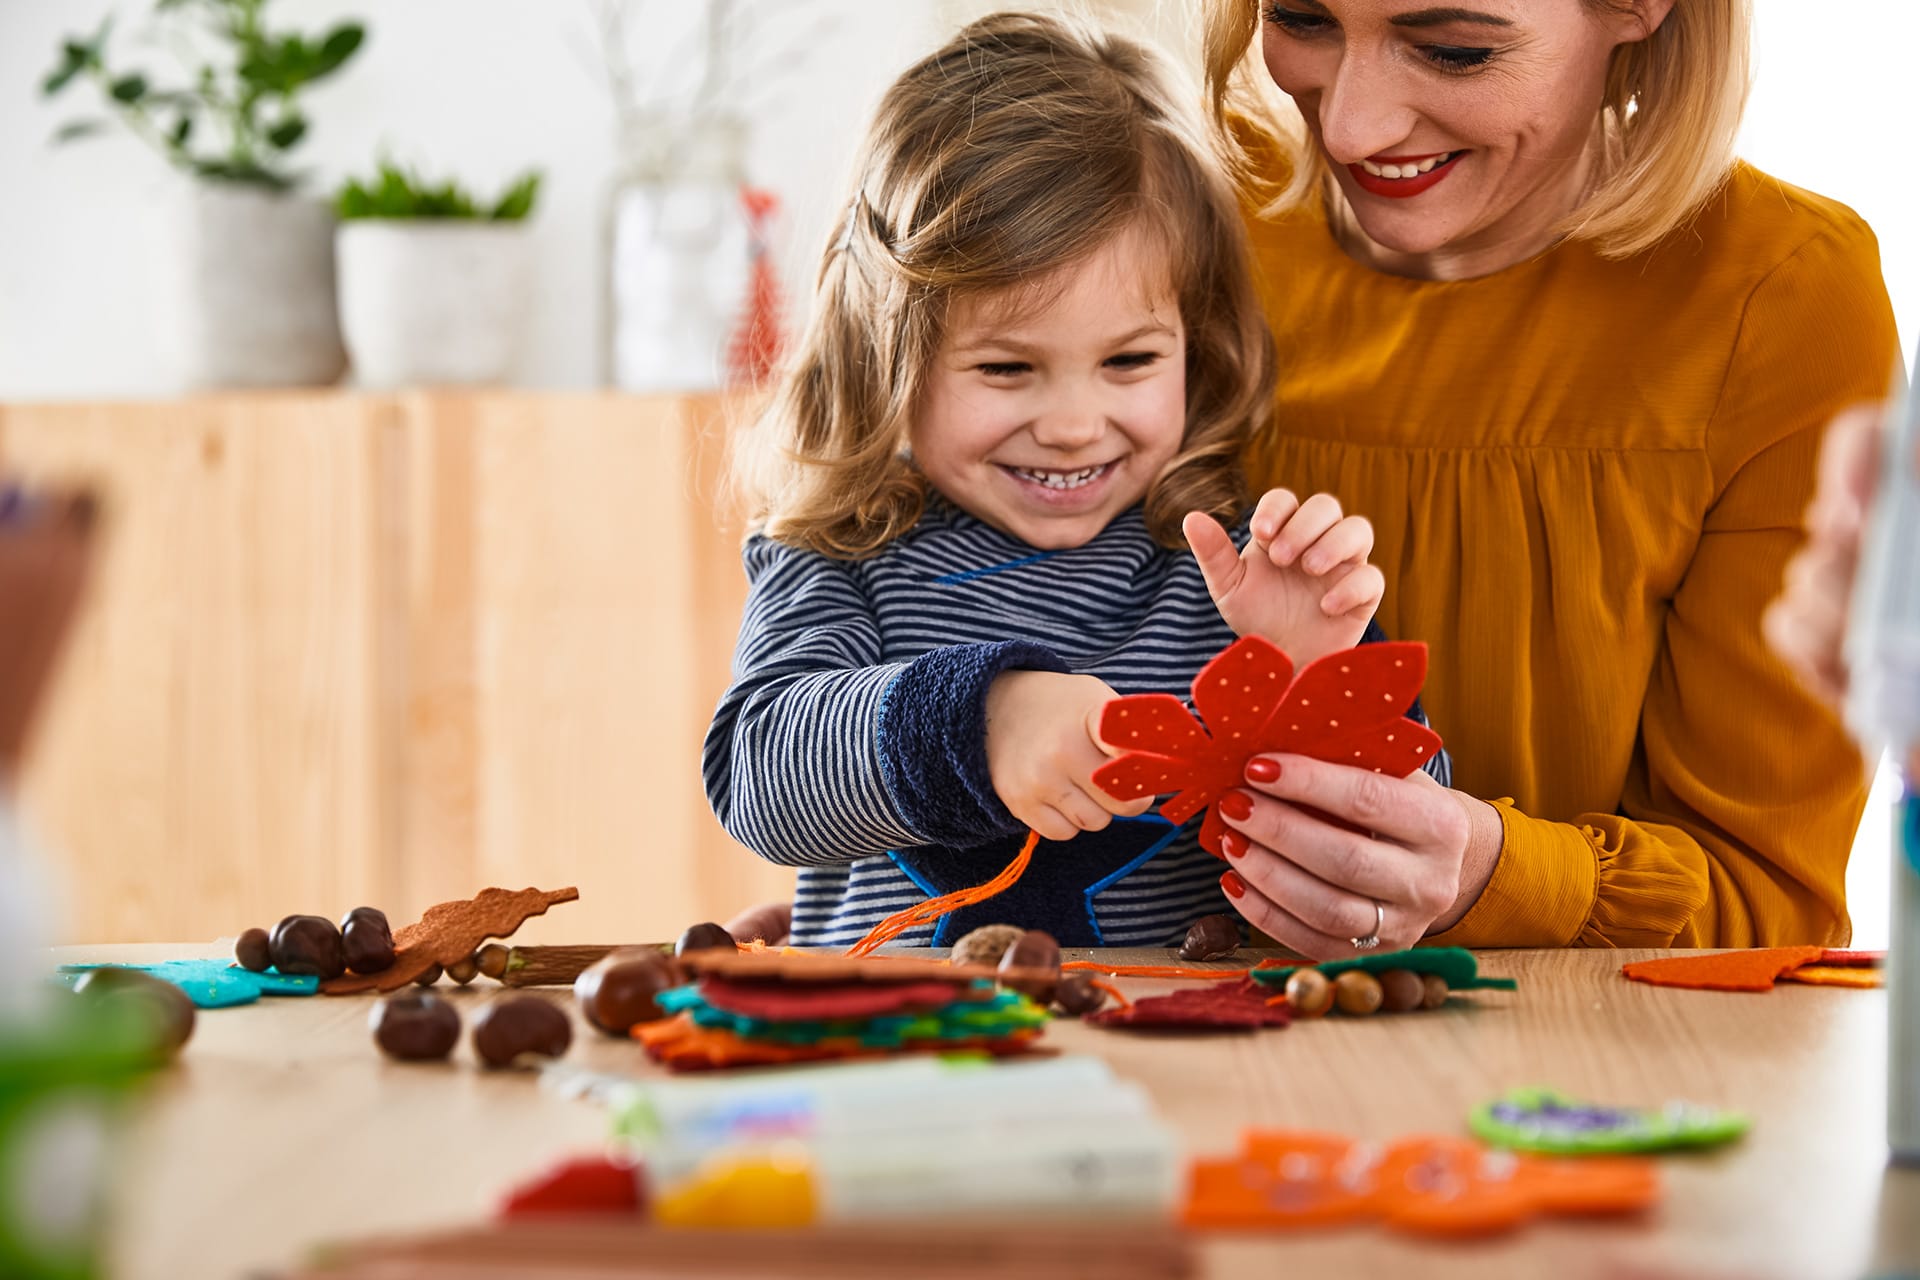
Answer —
1262 769
1236 806
1234 885
1234 845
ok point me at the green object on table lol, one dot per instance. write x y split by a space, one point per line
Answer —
1545 1121
210 984
1455 964
65 1085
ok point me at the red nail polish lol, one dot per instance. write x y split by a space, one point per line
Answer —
1234 845
1234 885
1263 769
1237 806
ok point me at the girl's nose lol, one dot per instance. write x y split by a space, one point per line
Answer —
1363 111
1069 426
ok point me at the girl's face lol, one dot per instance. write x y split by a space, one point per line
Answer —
1461 131
1048 421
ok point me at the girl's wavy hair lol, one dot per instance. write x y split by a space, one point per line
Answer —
1021 147
1669 116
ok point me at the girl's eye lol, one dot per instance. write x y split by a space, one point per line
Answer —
1132 359
1006 369
1455 57
1295 22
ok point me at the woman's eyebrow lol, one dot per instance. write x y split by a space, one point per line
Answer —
1439 17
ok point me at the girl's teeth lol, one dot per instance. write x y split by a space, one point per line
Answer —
1405 170
1060 479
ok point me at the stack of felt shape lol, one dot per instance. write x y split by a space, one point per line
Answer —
768 1008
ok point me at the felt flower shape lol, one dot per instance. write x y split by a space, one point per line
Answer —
1346 708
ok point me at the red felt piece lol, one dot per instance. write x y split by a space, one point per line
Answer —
1238 1005
1346 708
795 1002
1853 959
1754 970
592 1184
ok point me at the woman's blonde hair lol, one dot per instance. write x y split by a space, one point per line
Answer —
1669 116
1021 147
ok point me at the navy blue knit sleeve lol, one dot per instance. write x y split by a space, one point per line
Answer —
933 740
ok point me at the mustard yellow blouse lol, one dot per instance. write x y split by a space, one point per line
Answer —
1586 477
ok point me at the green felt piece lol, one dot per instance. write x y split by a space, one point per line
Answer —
210 984
1545 1121
1455 964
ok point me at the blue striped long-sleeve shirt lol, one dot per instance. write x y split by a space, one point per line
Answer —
854 731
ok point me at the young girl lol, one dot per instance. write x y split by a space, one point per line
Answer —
1035 348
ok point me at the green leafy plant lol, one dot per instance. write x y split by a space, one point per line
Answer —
395 193
238 116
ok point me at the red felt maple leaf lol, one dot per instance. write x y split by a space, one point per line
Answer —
1346 708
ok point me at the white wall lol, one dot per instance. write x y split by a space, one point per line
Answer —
476 88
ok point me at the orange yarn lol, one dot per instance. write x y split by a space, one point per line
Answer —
934 908
1113 991
1155 971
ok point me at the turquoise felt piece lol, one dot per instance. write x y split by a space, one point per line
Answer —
1455 964
210 984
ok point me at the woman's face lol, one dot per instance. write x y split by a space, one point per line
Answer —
1452 129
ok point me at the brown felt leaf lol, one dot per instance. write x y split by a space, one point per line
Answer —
450 932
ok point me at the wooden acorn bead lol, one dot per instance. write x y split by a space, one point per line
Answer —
1434 990
1309 994
1401 990
1357 992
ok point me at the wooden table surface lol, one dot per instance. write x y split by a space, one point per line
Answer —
282 1126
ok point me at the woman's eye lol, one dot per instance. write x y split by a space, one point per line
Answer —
1455 57
1132 360
1005 369
1295 22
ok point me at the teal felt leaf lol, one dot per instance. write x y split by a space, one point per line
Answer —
211 984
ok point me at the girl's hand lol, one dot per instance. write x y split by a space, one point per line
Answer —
1303 581
1042 749
1312 886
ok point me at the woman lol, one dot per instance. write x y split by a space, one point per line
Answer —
1573 361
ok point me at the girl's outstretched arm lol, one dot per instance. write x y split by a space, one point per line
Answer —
821 752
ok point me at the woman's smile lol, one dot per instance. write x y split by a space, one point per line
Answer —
1397 177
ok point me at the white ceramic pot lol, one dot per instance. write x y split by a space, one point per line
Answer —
252 302
434 302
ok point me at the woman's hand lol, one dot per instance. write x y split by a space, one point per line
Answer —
1312 885
1302 582
1042 749
1807 625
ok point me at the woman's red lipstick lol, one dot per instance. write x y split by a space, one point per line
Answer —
1400 188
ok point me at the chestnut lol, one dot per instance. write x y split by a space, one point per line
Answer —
518 1025
162 1011
704 937
617 993
414 1026
1076 995
985 945
308 945
1211 938
1034 951
251 952
367 940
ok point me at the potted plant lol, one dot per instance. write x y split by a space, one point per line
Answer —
434 285
254 257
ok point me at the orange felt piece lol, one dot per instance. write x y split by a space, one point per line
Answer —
1820 975
1436 1186
1752 970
